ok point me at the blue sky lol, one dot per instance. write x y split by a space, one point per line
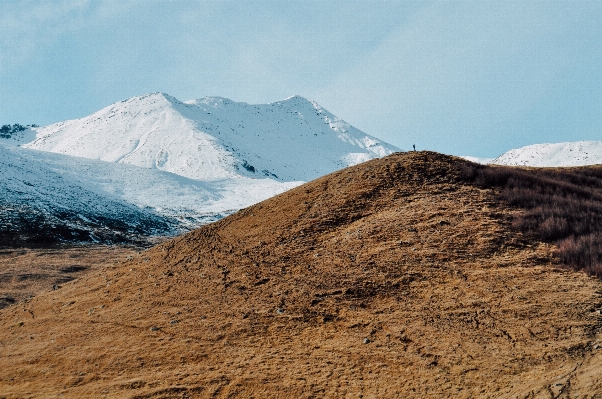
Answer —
458 77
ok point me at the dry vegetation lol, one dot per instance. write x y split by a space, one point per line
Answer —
396 278
561 206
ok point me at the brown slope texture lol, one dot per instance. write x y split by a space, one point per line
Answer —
394 278
26 272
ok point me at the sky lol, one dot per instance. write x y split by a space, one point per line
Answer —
459 77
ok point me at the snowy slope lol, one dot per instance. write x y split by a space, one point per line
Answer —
215 138
90 187
577 153
39 204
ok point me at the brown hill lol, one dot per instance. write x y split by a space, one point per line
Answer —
400 277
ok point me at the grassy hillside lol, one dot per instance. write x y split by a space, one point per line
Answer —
407 276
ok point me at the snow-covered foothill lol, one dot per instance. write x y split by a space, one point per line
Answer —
59 182
578 153
41 203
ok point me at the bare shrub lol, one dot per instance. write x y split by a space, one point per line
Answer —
584 250
561 205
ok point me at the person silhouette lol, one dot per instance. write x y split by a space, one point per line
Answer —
414 145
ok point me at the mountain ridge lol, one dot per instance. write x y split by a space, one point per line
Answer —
214 138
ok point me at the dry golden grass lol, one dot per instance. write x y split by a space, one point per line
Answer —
394 278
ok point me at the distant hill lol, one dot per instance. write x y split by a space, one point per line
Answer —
17 134
46 201
96 201
578 153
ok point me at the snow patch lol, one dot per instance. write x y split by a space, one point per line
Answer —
355 158
482 161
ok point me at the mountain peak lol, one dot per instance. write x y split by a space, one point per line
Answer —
214 101
297 100
151 97
296 97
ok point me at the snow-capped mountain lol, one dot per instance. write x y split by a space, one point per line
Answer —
215 138
577 153
152 165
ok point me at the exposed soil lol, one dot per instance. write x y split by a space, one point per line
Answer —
395 278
